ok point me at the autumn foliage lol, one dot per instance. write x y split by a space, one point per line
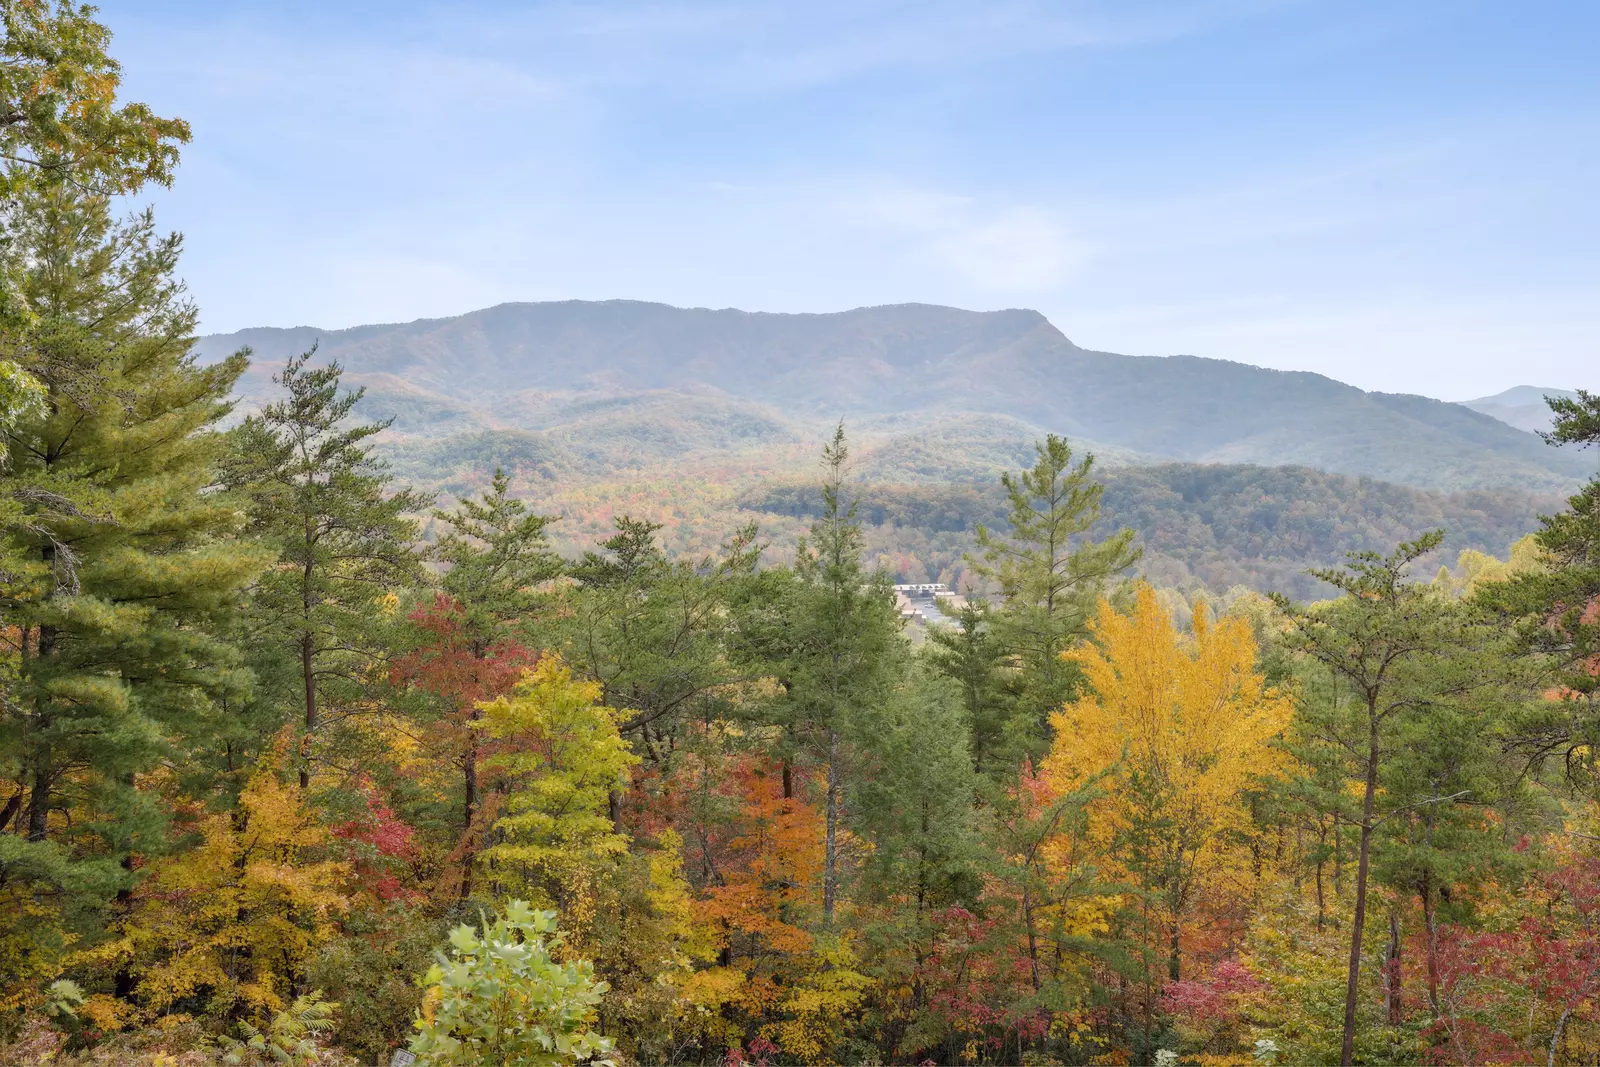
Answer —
298 766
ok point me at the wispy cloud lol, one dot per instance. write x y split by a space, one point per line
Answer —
1015 249
1290 182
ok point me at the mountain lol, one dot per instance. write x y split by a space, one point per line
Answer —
627 384
1521 406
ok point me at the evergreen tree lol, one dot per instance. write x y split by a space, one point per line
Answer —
496 555
124 564
1446 791
1556 610
344 541
1394 645
845 651
972 657
654 632
914 804
1049 578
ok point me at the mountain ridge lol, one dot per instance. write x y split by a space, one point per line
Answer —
542 366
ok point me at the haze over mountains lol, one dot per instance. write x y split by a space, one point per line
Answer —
704 420
623 381
1522 406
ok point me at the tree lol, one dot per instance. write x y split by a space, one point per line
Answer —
59 119
472 648
654 631
502 997
915 808
845 649
237 919
1555 610
1389 642
344 543
124 567
1441 785
497 555
1047 576
1177 733
63 132
1525 990
972 656
561 757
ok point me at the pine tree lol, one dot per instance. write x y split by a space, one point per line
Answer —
651 630
1445 790
914 805
846 651
1555 608
1049 578
1390 643
344 541
971 656
126 564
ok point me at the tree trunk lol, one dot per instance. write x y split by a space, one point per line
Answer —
1033 939
830 865
469 784
310 679
1322 905
1431 926
1338 857
1359 925
1392 976
1555 1038
1429 923
39 803
43 772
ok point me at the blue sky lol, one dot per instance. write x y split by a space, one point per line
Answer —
1399 195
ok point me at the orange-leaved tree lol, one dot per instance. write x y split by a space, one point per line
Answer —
1178 729
783 979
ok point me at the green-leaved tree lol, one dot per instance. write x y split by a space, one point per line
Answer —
344 540
1047 574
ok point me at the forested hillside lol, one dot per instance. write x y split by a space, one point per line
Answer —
1212 527
656 374
606 740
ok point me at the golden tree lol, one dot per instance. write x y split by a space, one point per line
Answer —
1177 731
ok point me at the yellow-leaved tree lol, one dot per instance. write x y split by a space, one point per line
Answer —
556 763
558 758
233 921
1178 730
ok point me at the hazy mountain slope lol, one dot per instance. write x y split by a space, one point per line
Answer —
1219 526
1521 406
539 366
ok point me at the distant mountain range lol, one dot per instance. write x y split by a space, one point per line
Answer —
705 420
1522 406
937 393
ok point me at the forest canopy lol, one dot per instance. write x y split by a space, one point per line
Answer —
302 764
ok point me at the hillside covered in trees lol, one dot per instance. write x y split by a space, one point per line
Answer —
630 383
319 745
